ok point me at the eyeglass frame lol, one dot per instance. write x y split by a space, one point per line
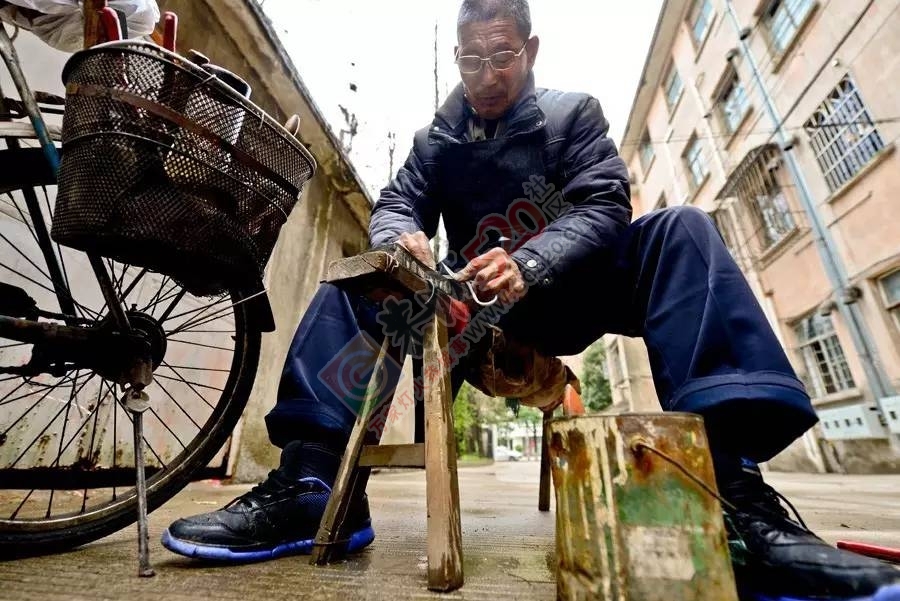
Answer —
516 55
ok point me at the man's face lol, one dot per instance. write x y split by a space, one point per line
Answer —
490 91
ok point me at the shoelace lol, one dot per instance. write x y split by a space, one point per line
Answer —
274 483
763 498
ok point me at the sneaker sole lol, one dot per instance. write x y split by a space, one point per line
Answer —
885 593
358 540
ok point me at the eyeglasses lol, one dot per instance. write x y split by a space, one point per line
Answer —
500 61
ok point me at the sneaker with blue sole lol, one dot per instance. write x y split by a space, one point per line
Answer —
278 517
885 593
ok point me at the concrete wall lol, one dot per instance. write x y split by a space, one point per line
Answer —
858 37
329 223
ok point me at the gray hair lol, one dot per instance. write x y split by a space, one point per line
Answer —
478 11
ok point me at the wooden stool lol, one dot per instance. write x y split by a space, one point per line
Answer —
393 269
434 449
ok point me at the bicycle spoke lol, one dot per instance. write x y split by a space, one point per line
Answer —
115 413
171 307
160 291
147 443
202 311
11 392
95 412
24 219
218 348
4 400
47 427
166 426
177 404
100 397
133 283
202 398
27 411
180 379
25 277
174 367
3 346
62 438
59 253
26 257
204 319
21 505
175 292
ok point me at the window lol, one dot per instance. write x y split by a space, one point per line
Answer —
696 165
614 365
842 134
890 288
733 103
726 229
773 216
826 367
761 195
701 18
783 19
673 87
646 152
661 202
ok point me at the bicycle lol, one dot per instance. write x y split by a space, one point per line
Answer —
116 317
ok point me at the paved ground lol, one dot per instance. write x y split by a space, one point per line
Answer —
508 544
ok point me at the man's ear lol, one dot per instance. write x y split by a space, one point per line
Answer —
531 48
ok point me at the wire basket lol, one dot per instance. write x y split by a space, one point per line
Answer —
166 167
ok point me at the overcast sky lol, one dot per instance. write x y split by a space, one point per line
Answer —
386 48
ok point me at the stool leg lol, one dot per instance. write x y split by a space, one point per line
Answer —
445 572
544 488
349 478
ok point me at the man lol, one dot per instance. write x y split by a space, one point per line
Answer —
579 273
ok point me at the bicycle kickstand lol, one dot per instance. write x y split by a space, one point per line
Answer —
136 402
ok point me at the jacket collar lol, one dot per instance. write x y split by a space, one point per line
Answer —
522 117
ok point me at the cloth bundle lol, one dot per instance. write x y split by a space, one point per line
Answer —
60 23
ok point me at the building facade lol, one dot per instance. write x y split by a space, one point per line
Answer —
779 119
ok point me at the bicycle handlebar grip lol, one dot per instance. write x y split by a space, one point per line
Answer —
170 31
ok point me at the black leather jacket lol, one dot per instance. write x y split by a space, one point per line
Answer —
568 130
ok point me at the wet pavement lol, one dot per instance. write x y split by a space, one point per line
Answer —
508 545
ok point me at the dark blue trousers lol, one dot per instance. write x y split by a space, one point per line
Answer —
670 280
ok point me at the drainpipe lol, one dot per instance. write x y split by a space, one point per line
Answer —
878 381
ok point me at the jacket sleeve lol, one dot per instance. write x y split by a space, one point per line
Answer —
405 205
596 202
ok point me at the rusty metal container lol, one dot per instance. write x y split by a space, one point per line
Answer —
630 524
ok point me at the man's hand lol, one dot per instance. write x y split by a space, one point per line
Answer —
417 245
495 274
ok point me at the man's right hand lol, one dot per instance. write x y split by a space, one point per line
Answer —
417 245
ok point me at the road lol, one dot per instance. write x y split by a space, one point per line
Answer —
508 545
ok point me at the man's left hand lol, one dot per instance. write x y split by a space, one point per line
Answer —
495 274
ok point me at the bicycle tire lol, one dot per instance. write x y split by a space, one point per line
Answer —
26 537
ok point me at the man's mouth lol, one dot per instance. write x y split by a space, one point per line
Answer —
490 99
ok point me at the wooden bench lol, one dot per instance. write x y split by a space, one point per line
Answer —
388 271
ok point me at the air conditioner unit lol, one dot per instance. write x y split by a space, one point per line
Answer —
891 407
852 422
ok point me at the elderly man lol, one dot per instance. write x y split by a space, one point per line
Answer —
567 275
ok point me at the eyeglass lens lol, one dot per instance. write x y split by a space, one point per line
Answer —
499 61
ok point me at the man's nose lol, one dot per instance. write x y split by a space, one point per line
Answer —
487 76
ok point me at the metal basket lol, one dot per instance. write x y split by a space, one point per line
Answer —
166 167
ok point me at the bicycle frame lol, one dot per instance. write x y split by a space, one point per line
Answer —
66 303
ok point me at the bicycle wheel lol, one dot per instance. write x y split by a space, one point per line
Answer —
66 443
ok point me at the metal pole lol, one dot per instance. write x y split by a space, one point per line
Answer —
834 268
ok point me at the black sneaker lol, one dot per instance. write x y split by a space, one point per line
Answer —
278 517
775 556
